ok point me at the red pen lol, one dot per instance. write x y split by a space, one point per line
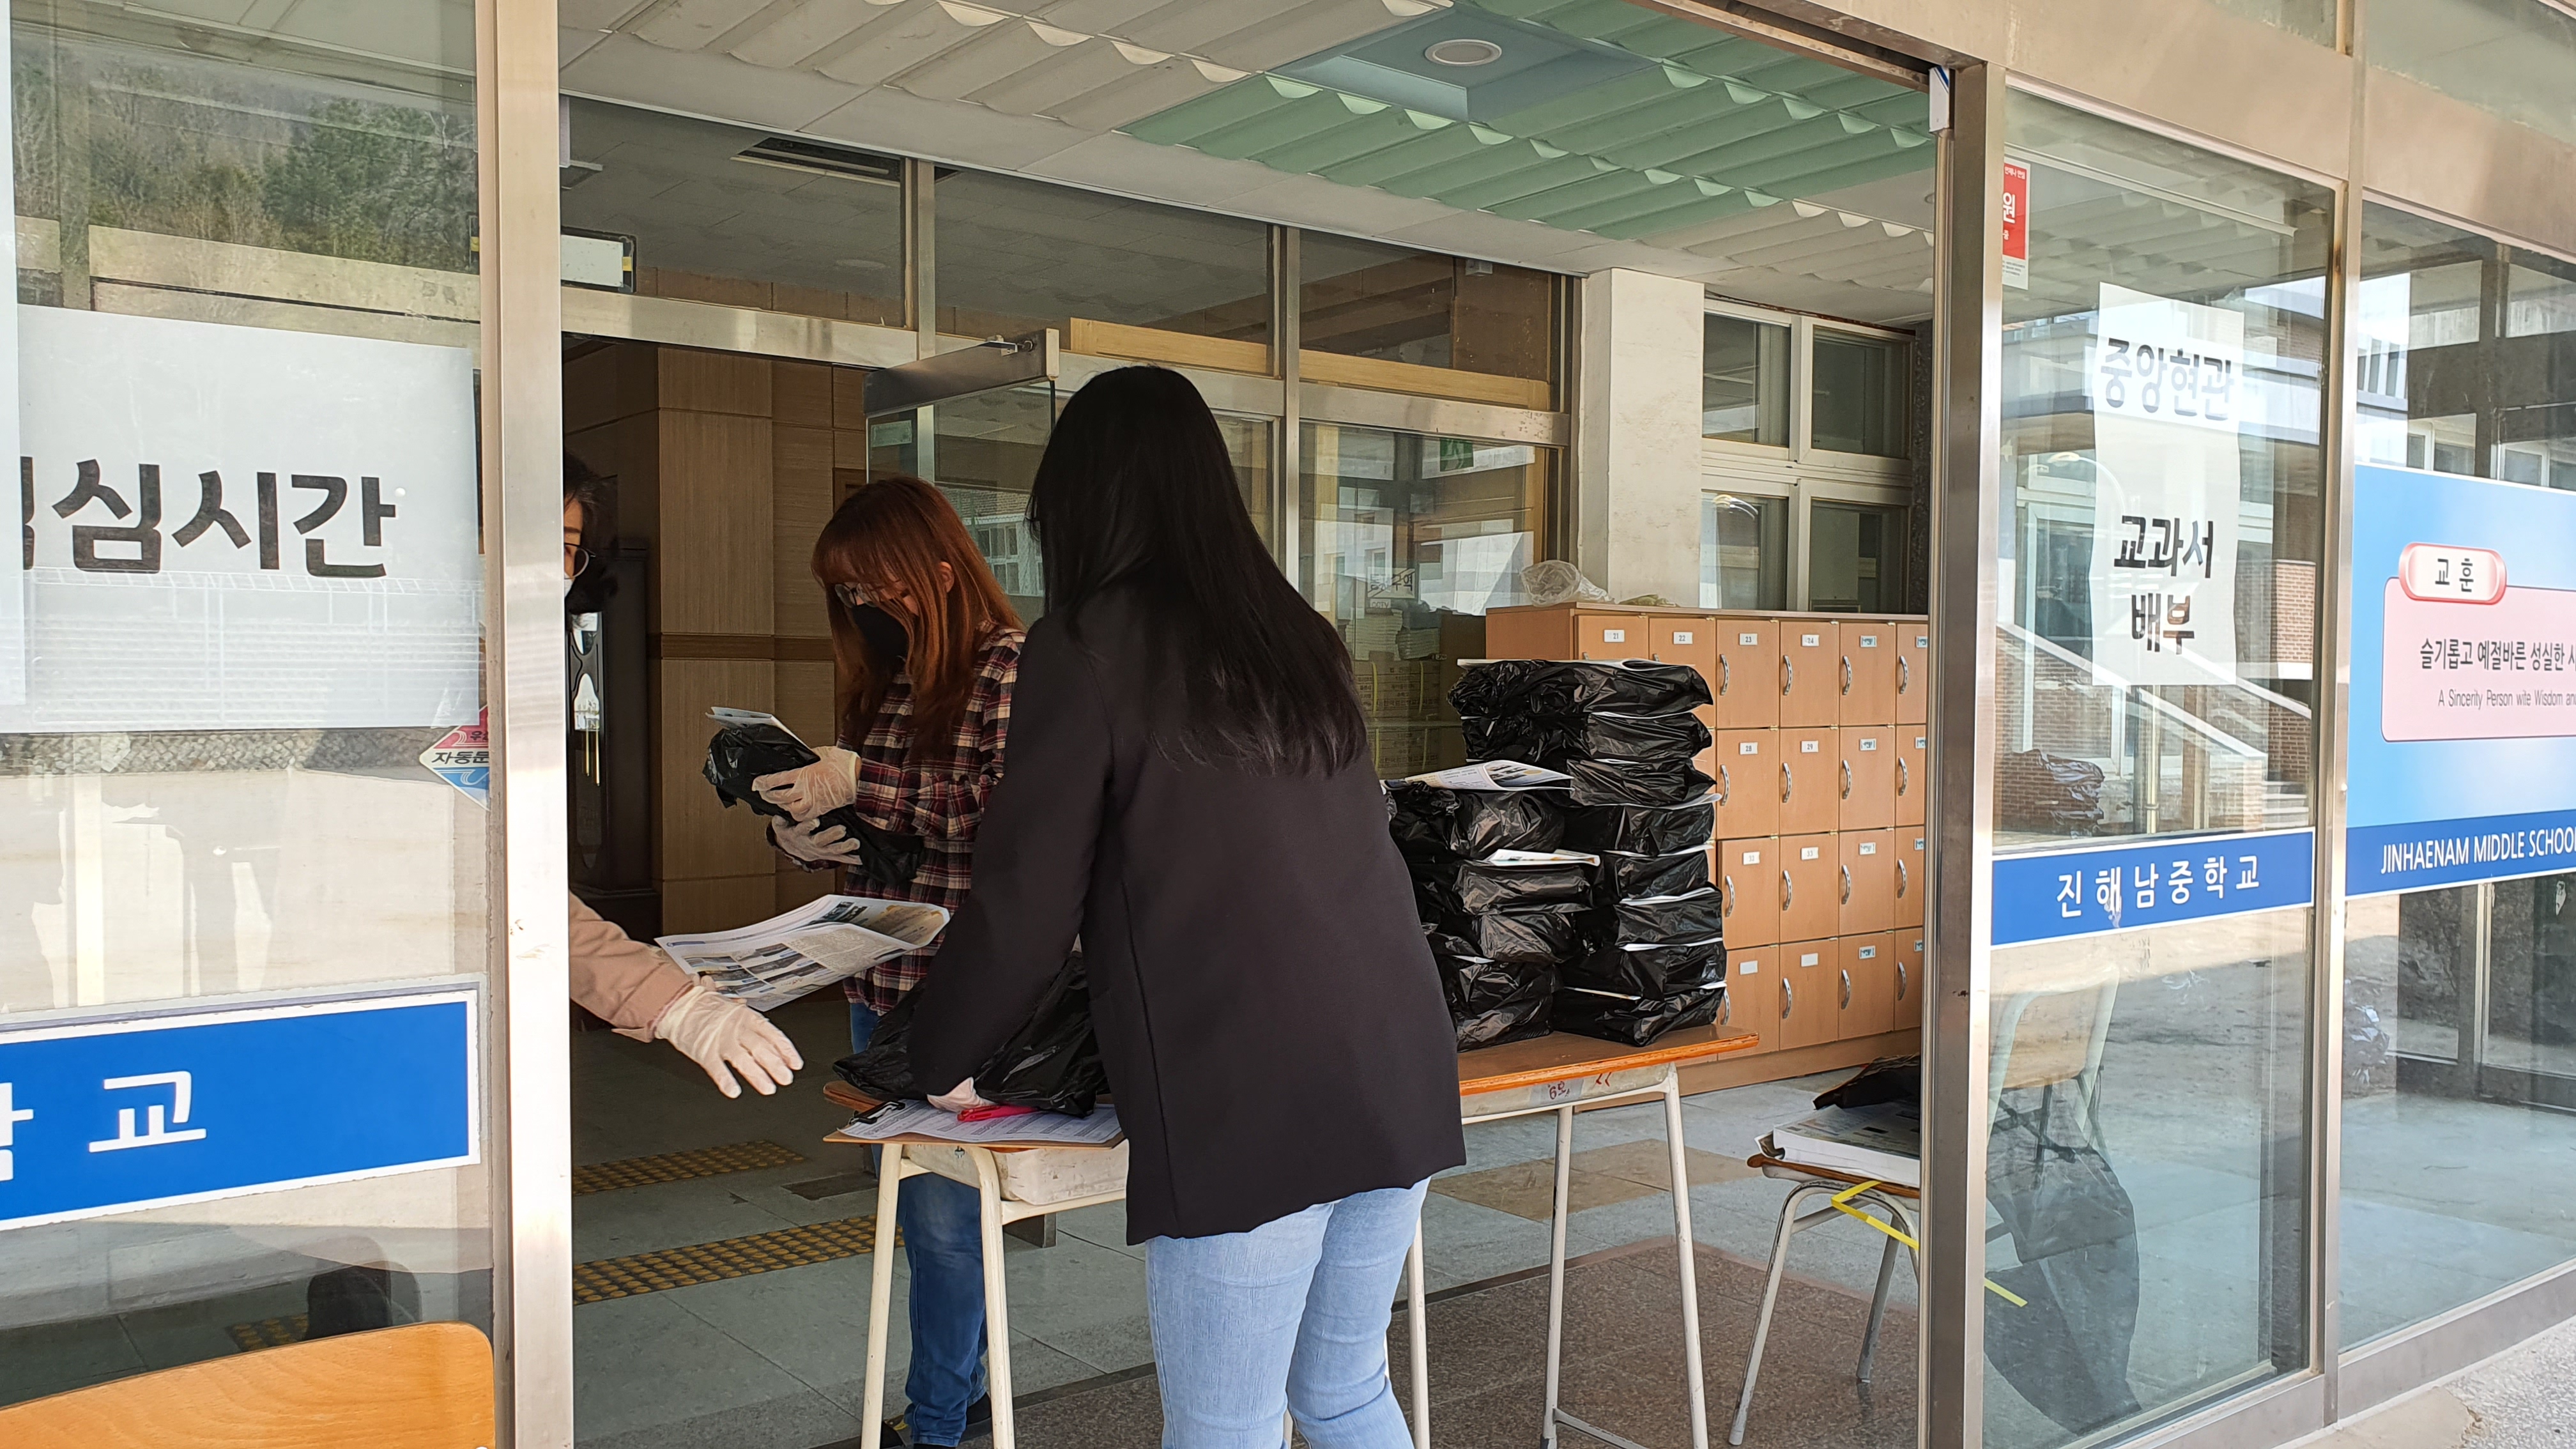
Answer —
986 1114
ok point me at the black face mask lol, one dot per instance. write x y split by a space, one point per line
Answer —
885 633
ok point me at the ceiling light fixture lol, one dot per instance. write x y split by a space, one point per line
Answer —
1463 52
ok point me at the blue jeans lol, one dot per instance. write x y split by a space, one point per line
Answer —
943 1242
1292 1313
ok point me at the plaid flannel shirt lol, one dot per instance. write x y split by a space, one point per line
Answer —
939 797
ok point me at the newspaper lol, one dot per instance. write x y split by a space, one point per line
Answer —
767 965
917 1119
1492 775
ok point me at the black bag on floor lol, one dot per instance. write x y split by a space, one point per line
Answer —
1051 1063
1534 936
1632 1020
1651 971
1657 920
1635 782
1432 824
1677 874
1569 690
742 753
1639 829
1489 1002
1539 740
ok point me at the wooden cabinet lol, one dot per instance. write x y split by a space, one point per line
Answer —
1913 773
1865 882
1866 992
1909 978
1747 683
1810 993
1865 678
1810 781
1746 766
1611 636
1566 633
1748 874
1810 674
1753 997
1911 858
1865 778
1810 880
1913 670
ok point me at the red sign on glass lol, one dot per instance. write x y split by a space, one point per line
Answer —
2016 224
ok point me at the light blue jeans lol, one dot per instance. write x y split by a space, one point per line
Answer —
943 1243
1290 1315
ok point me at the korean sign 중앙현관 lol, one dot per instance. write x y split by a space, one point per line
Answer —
239 528
2167 390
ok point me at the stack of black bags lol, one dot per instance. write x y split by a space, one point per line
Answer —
1498 931
1650 954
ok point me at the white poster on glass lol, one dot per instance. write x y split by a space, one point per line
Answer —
228 528
2167 383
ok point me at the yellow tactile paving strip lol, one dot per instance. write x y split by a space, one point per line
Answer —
680 1166
606 1278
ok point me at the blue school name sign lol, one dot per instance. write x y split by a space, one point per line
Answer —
105 1117
2131 887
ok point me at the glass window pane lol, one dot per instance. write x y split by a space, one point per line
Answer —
1407 540
2511 57
1015 255
236 257
2159 561
1860 395
1743 552
1365 299
741 217
1855 558
1744 381
2143 1175
2311 19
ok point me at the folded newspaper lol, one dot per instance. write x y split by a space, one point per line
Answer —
767 965
1883 1142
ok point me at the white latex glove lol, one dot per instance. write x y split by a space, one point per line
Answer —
724 1037
827 784
960 1098
816 842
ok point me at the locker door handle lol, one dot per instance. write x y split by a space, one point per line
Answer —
1788 782
1847 990
1901 874
1788 675
1788 998
1904 674
1846 885
1727 907
1846 779
1788 890
1725 673
1900 981
1725 787
1846 674
1726 1010
1904 777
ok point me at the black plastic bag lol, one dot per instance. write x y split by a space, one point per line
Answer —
1433 824
1569 690
1889 1079
1540 740
1473 888
2038 791
1491 1002
1640 829
1635 782
1051 1063
1662 920
1533 936
1633 1020
1655 971
1677 874
742 753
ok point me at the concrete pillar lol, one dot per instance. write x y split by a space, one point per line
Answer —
1636 464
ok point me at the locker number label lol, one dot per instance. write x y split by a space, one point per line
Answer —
1809 852
1748 747
1868 745
1748 638
1681 636
1869 847
1614 636
1809 747
1810 641
1869 641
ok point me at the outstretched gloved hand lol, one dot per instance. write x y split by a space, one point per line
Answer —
827 784
724 1037
811 840
959 1098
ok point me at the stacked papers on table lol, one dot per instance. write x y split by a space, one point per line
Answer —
920 1119
1883 1142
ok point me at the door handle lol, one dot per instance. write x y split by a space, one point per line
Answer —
1901 874
1846 779
1846 989
1788 675
1725 787
1900 981
1787 782
1846 674
1727 909
1788 998
1846 885
1788 890
1725 673
1904 674
1904 777
1726 1010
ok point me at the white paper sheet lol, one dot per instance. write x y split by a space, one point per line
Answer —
828 940
918 1119
1491 775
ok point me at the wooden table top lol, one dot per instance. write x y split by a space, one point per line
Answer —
1562 1057
1783 1167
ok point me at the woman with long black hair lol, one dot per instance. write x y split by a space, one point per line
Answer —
1189 791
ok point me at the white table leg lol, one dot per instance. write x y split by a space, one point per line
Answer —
880 1292
1556 1268
1418 1332
1689 1261
997 1301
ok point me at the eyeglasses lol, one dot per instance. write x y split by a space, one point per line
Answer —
858 596
576 560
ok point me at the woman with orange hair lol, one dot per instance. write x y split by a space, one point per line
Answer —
928 649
